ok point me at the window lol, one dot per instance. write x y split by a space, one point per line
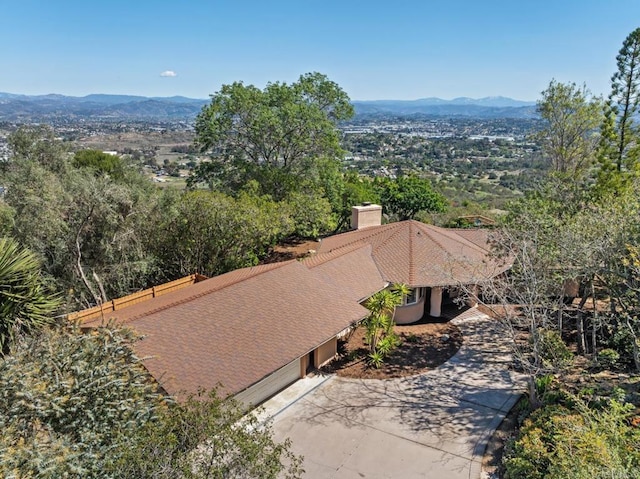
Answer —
413 297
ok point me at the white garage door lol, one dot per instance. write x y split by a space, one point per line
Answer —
267 387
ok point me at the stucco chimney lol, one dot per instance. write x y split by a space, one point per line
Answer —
366 215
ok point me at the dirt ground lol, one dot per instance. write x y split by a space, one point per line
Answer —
424 346
292 249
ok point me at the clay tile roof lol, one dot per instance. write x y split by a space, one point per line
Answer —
237 328
418 254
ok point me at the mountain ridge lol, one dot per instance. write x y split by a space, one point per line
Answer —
19 107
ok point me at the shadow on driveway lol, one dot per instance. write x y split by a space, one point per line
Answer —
433 425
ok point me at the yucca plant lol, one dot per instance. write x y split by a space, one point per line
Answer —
379 324
26 304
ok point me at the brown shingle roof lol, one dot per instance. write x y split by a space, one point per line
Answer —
188 294
418 254
351 269
239 327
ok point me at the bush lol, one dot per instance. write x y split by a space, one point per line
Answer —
205 437
78 406
621 341
68 399
608 358
556 442
552 350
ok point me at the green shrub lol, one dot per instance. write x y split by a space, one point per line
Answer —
68 399
608 358
621 340
376 359
82 406
556 442
552 350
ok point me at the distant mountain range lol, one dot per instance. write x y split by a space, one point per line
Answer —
98 106
23 108
488 107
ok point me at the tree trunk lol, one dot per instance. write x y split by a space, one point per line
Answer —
594 323
582 346
534 400
582 349
636 350
560 313
78 265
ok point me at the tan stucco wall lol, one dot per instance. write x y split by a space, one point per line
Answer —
325 352
411 313
366 216
304 364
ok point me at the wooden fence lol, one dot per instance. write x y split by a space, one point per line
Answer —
119 303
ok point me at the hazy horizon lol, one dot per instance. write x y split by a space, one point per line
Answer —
404 50
207 98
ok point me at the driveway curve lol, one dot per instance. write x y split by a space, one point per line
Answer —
433 425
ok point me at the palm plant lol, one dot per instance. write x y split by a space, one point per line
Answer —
26 303
379 323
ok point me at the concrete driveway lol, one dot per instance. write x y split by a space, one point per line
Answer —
434 425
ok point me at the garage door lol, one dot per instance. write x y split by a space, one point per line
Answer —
267 387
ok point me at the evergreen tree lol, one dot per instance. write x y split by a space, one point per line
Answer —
619 148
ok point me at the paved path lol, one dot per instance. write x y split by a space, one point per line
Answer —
434 425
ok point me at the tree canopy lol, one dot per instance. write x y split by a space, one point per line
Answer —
89 230
572 118
211 233
405 196
99 161
70 400
619 150
273 135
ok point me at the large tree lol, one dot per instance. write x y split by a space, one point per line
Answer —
211 233
572 117
406 196
274 135
87 226
619 148
99 161
37 144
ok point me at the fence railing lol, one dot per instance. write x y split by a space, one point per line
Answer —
144 295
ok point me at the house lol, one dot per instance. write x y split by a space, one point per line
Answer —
432 261
253 331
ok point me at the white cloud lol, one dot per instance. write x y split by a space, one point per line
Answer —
168 73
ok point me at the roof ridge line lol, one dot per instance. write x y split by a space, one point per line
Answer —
396 228
380 229
209 290
314 261
438 243
455 237
411 261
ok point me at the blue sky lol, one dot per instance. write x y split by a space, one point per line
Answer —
402 49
